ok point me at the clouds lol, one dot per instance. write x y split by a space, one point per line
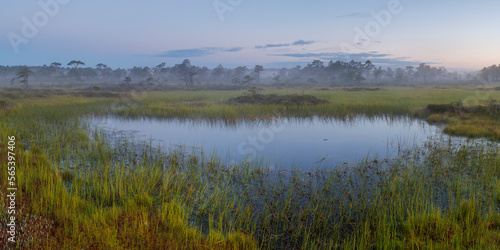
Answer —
197 52
294 53
235 49
272 46
208 51
332 55
296 43
380 59
302 42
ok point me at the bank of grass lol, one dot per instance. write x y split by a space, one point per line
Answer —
472 121
60 206
475 126
79 191
391 101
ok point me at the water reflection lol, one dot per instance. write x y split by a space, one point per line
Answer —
283 142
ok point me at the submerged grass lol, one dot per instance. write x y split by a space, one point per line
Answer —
82 190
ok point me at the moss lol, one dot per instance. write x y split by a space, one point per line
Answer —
273 99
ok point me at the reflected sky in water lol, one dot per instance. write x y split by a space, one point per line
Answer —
286 142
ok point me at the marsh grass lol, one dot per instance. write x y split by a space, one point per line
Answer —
87 191
391 101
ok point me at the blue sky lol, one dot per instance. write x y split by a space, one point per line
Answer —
457 34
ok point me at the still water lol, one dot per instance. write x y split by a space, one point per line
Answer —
285 143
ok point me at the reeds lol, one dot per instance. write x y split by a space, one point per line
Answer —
92 192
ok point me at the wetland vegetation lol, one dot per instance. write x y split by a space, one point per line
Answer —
82 190
231 124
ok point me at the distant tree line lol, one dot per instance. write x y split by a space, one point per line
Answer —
335 73
491 73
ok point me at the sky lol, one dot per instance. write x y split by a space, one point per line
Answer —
457 34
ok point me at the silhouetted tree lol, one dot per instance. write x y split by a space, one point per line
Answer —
218 72
248 79
101 66
160 71
368 67
258 69
76 63
56 65
139 72
127 80
188 78
377 73
410 72
399 75
423 71
335 69
240 71
389 74
24 74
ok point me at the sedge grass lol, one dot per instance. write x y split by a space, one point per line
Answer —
391 101
93 193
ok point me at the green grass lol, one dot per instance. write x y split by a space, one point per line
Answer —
78 191
343 104
392 101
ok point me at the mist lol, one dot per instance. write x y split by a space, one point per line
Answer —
316 73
